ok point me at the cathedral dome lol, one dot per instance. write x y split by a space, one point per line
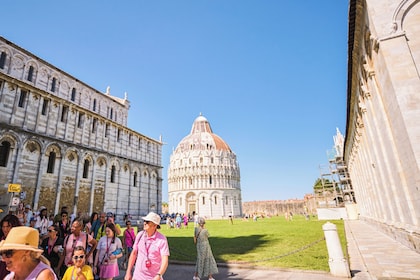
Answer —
202 138
204 175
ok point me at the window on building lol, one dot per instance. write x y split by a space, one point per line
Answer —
30 73
190 179
2 60
135 179
64 113
45 106
129 139
51 163
115 116
215 200
4 153
22 98
94 125
210 180
113 174
106 130
86 169
81 120
73 94
111 113
118 135
53 84
211 160
204 200
94 105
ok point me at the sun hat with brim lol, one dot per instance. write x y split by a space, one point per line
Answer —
152 217
21 238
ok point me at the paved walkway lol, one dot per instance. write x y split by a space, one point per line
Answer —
373 255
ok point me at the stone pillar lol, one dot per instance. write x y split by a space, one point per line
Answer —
58 186
92 186
338 264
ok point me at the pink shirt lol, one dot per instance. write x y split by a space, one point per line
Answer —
129 237
73 242
149 248
34 274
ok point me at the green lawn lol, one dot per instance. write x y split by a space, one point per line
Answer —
269 242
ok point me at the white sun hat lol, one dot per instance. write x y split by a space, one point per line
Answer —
152 217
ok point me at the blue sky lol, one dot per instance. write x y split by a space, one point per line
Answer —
269 75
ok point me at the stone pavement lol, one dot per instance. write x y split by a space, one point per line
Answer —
375 255
372 255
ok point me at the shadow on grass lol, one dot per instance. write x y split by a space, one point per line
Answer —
183 248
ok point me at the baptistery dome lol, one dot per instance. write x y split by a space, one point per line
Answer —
203 175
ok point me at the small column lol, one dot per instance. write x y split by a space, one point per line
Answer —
338 264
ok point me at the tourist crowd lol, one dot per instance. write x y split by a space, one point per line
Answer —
38 245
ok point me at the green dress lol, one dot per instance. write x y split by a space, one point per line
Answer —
206 264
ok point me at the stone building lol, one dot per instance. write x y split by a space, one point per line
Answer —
382 144
67 143
203 175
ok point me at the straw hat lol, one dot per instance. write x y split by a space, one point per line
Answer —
21 238
153 217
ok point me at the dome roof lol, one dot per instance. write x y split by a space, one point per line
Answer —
202 138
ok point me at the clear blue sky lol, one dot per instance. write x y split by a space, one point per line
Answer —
269 75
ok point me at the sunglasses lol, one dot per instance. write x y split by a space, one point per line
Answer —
81 257
7 253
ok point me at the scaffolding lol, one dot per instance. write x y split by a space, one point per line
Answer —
335 179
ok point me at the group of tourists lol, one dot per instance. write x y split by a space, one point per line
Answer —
65 247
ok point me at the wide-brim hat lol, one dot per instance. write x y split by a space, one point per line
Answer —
21 238
152 217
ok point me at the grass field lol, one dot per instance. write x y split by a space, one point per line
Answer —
269 242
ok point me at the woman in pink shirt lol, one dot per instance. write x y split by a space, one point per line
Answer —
150 252
128 241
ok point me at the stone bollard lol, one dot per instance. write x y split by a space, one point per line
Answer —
338 264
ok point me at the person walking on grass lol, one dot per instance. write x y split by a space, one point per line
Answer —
206 264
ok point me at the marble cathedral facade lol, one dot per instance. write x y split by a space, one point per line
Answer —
203 175
67 143
382 144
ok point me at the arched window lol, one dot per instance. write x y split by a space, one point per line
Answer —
4 153
113 174
215 200
30 73
51 162
94 105
53 84
3 56
86 169
135 179
73 94
204 200
210 180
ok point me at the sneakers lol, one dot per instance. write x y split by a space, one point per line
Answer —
196 278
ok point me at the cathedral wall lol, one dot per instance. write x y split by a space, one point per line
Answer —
382 135
62 147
